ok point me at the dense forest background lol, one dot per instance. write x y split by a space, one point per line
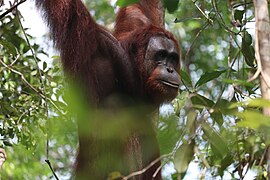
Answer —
215 128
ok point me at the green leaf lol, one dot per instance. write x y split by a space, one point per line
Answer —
217 117
199 100
44 65
168 129
115 175
208 76
191 121
215 140
259 102
175 176
171 5
53 84
123 3
7 143
33 73
183 156
248 50
253 120
238 15
247 38
226 162
9 46
180 102
185 78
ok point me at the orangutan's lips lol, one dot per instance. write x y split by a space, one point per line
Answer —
171 84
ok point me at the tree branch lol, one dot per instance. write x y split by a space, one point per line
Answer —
11 9
49 164
146 168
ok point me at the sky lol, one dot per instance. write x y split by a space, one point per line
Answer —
32 19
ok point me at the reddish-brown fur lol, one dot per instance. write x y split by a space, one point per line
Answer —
105 65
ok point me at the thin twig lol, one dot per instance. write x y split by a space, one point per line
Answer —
35 58
220 19
16 59
157 170
146 168
12 8
48 162
196 37
262 158
42 83
208 19
162 165
186 19
23 78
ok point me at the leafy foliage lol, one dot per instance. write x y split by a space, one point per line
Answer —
31 93
230 132
217 119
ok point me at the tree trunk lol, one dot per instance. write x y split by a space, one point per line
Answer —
262 48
